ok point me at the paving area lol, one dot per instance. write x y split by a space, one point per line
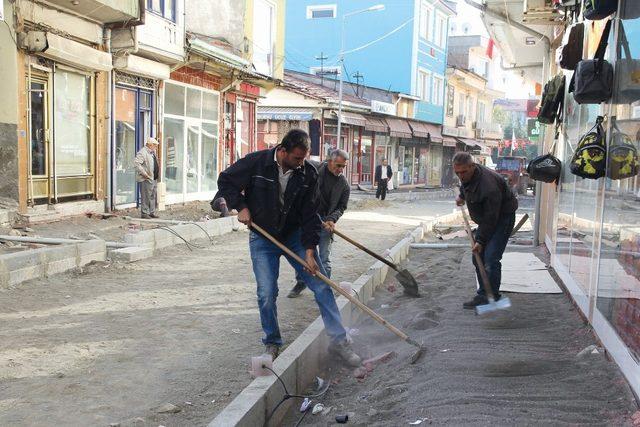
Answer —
525 366
164 341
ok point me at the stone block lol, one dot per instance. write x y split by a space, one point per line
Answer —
131 254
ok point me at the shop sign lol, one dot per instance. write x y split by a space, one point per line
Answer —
298 117
383 108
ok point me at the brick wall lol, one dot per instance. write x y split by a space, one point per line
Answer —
626 320
195 77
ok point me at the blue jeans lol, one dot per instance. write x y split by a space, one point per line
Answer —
265 257
492 254
324 249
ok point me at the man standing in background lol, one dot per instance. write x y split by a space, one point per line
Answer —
333 194
147 173
383 175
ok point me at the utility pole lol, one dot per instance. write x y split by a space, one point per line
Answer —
358 77
322 58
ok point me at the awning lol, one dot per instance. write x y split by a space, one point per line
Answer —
285 113
468 142
435 132
449 141
140 66
375 125
399 128
419 129
76 54
352 118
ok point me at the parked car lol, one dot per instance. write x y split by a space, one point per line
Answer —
513 169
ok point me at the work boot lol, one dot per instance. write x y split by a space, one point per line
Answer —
296 290
272 350
476 301
344 351
154 215
145 216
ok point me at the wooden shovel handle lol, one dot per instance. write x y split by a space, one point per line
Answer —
333 285
483 272
367 250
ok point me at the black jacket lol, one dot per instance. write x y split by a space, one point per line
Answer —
252 182
378 176
489 198
333 198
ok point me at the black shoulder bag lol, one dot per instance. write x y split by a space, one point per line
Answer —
592 81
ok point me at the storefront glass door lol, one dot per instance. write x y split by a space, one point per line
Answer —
193 157
407 165
366 157
39 126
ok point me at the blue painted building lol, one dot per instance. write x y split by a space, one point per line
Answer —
402 48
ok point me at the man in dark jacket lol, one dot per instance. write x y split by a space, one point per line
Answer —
333 195
492 205
382 177
276 189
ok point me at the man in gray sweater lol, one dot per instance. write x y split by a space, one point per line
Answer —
333 192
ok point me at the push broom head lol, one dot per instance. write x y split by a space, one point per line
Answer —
502 304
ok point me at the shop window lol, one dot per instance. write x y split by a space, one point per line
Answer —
72 123
174 99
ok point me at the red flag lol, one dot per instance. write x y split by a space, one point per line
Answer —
490 46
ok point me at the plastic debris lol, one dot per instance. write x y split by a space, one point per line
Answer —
320 383
305 405
342 419
418 421
319 407
258 364
384 306
235 331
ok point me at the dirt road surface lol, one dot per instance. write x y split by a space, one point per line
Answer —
115 343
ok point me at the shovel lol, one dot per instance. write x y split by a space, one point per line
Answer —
405 278
375 316
493 305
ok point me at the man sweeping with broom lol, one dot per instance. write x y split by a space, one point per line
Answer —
276 190
492 205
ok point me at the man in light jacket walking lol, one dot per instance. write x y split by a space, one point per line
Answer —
147 173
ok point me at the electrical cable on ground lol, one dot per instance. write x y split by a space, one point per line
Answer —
175 233
288 396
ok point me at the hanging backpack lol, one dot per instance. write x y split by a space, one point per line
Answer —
571 52
593 79
623 156
627 72
546 168
599 9
590 159
552 100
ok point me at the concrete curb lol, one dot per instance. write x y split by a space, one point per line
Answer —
301 362
18 267
406 195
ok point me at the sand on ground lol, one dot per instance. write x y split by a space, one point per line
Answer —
518 367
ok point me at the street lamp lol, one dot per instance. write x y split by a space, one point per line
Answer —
375 8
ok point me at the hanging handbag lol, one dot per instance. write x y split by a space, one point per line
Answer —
552 100
622 156
593 79
599 9
571 52
630 10
627 72
589 160
546 168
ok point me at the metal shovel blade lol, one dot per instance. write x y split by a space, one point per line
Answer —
408 282
502 304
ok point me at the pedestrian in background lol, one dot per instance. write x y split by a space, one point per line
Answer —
333 195
147 173
383 175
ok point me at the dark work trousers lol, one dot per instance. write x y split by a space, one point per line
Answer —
492 253
381 192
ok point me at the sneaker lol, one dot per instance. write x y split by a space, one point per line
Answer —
145 216
272 350
154 215
296 290
344 351
476 301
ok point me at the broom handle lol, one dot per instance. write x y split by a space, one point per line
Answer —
365 249
483 273
334 285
